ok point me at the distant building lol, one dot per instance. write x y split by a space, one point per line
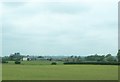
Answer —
26 58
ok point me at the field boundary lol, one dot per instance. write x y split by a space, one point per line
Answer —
92 63
59 80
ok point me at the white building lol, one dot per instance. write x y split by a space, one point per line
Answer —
24 58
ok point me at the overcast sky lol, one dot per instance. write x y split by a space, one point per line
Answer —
66 27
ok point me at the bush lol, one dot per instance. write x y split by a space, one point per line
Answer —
4 61
17 62
53 63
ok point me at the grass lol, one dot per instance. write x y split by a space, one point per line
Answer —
36 70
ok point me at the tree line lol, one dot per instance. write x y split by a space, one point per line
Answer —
91 58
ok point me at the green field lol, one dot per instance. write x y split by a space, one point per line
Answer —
44 71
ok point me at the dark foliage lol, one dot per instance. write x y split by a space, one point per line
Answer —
53 63
95 58
4 61
118 55
94 63
17 62
15 57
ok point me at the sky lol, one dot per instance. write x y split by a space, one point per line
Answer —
59 28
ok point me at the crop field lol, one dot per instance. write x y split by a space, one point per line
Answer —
36 70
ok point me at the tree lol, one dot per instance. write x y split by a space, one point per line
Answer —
95 57
5 59
40 57
78 59
15 57
118 55
109 58
108 55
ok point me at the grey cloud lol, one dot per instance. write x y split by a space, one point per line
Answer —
58 28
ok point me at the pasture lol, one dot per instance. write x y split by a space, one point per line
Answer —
36 70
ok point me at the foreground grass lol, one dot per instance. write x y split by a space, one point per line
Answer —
59 72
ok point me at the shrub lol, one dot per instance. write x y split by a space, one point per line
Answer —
17 62
4 61
53 63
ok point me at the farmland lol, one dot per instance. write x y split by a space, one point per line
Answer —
43 70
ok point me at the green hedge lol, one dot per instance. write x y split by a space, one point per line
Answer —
53 63
93 63
17 62
4 61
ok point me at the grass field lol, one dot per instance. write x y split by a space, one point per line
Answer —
44 71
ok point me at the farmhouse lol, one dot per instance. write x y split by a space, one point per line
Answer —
26 58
